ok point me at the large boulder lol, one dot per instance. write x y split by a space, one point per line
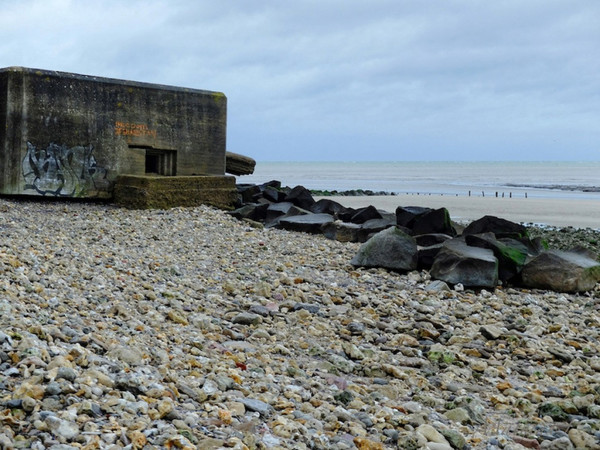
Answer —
425 240
291 212
429 246
561 271
273 194
300 196
277 210
426 255
511 258
371 227
390 249
367 213
249 192
354 232
273 183
346 214
342 231
435 221
327 206
307 223
252 211
406 215
456 263
500 227
532 247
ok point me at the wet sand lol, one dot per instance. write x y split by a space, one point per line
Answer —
579 213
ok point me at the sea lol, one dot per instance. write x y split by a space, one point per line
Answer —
556 179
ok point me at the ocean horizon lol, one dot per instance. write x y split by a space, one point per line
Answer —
543 179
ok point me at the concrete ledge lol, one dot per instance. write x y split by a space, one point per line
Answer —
161 192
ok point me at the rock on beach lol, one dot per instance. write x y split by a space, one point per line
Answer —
187 328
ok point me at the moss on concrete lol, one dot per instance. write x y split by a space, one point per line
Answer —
157 192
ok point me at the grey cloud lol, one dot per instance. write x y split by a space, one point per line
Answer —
392 73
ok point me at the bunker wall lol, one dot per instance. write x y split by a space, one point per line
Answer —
73 135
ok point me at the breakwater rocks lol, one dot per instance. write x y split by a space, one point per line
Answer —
487 252
348 193
188 329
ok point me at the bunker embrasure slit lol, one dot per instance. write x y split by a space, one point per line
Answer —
160 162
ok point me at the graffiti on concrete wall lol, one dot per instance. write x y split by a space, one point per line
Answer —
63 172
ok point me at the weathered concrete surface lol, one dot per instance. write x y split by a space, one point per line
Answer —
237 164
69 135
156 192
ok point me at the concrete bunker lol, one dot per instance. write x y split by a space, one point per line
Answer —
79 136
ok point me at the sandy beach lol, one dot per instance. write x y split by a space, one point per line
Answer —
578 213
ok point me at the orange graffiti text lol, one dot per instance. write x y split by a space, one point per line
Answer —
133 129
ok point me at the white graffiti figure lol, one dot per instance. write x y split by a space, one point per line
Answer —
61 171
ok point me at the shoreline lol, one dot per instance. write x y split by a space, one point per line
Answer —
577 213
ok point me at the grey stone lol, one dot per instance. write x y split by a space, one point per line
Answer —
53 388
260 310
66 373
247 318
491 332
369 228
308 223
252 211
561 271
406 215
562 443
5 338
126 354
581 439
352 351
300 196
531 247
425 240
426 256
435 221
390 249
252 404
342 231
561 354
311 308
63 428
291 212
327 206
276 210
248 192
454 438
458 263
437 286
364 214
500 227
273 193
474 406
511 258
356 327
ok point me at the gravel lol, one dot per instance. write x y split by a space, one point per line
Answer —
188 329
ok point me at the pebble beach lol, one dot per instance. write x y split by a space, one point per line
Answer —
189 329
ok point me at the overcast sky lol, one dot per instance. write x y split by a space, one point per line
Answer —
346 79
